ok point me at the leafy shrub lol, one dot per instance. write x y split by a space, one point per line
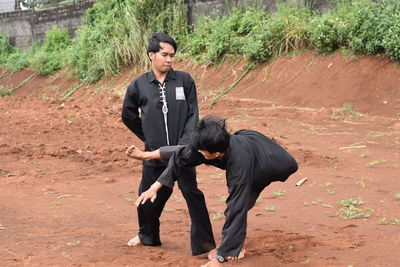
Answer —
234 34
289 28
366 27
115 35
50 57
324 33
19 60
5 48
391 39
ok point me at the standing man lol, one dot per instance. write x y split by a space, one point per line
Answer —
167 100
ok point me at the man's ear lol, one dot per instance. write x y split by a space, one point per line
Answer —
151 55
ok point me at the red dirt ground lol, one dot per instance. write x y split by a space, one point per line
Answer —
67 188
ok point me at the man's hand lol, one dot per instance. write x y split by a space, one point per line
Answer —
151 194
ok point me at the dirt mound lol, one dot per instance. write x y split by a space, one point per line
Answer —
369 84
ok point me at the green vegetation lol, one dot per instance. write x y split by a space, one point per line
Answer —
270 208
279 193
352 209
49 57
114 35
217 216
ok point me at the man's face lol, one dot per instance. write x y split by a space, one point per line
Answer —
211 156
163 60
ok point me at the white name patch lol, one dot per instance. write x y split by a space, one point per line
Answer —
180 94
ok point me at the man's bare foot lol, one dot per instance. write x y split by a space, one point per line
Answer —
212 263
136 153
240 256
134 242
212 254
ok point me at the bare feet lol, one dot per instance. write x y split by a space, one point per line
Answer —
134 152
212 254
240 256
134 242
212 263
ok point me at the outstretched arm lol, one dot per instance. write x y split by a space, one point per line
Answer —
164 152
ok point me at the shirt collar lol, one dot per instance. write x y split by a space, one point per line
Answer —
152 78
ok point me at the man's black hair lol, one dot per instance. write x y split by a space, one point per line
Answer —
154 42
211 135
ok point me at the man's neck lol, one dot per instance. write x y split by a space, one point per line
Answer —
160 76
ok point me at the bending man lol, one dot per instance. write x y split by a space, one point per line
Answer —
251 160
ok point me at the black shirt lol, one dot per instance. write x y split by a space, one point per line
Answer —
252 162
182 117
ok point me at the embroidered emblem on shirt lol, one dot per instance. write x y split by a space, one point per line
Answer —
180 94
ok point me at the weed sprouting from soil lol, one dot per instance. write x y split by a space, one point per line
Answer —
352 209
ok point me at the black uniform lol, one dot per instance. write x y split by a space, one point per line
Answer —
252 161
168 116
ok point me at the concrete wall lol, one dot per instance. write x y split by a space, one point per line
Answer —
7 5
23 26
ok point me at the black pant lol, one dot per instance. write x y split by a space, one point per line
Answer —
201 235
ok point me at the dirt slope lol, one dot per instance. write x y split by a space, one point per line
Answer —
67 188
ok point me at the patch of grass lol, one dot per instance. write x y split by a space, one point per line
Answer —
395 222
216 176
397 196
5 92
217 216
74 243
176 198
222 199
270 208
375 162
259 199
350 110
352 209
280 193
364 155
129 199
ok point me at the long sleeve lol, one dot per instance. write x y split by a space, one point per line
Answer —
234 230
166 152
130 111
185 156
193 114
